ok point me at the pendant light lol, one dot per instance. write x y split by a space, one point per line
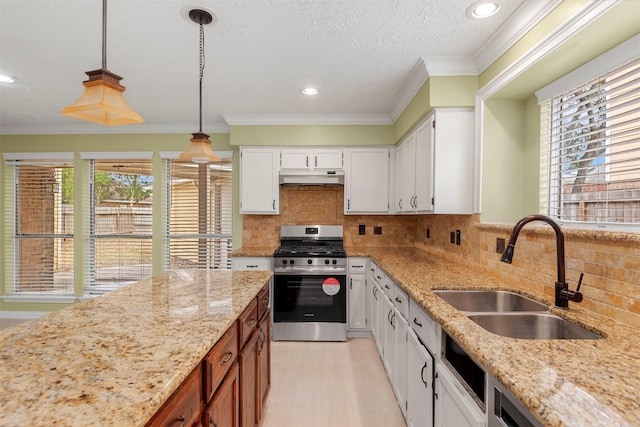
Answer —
103 99
200 149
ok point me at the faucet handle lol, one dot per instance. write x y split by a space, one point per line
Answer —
580 282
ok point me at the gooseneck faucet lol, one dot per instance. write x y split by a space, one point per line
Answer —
562 292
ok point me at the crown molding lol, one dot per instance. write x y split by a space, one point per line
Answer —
571 26
528 15
92 129
306 119
450 66
411 86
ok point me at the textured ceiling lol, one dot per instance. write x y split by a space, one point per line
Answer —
359 54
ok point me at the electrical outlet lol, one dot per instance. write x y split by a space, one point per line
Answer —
500 245
428 233
458 236
377 230
362 229
452 237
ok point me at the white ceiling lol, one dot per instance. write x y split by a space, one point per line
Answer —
366 57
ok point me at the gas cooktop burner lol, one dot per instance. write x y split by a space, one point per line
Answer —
306 251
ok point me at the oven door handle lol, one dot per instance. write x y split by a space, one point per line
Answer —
310 271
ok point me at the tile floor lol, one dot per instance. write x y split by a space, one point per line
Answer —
320 384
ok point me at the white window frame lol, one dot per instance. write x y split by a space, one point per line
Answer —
620 55
89 288
9 246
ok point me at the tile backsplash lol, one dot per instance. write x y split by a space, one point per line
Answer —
610 261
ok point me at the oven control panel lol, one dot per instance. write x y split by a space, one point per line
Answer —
312 262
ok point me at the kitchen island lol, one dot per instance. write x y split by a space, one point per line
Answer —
116 359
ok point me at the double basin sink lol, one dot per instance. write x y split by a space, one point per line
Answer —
513 315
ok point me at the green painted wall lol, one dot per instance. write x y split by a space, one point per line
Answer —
617 25
341 135
503 161
437 91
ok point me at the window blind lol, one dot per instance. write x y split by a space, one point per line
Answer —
120 223
594 164
41 217
199 215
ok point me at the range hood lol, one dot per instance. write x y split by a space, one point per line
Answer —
305 177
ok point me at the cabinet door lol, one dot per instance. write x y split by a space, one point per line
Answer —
409 173
453 165
399 205
367 180
419 383
389 335
374 315
424 159
259 190
223 411
400 359
295 158
248 359
264 362
453 405
357 302
327 158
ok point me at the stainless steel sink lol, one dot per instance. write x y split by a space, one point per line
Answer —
531 326
490 301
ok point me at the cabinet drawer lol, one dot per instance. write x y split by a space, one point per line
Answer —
250 263
219 360
358 265
401 301
263 301
247 322
387 285
184 406
425 327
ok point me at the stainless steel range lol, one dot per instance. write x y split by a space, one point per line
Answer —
309 287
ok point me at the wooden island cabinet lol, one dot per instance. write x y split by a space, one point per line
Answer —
230 386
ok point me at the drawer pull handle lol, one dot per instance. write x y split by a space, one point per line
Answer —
415 320
252 266
212 422
181 419
422 375
228 356
251 321
398 300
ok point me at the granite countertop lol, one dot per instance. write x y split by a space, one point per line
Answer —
114 360
562 382
255 251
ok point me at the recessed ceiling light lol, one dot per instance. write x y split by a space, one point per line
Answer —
482 9
6 79
310 91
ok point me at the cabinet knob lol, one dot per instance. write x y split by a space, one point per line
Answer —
181 418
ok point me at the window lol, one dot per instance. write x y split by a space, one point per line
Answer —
120 223
199 215
594 150
40 218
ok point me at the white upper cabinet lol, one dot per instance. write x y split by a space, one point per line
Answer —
434 169
259 187
311 158
367 180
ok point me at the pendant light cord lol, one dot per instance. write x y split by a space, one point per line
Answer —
104 34
201 69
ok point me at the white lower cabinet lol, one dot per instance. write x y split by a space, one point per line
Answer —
419 383
401 326
357 302
358 310
454 407
250 263
377 317
389 335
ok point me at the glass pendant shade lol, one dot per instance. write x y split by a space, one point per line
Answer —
103 101
200 150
